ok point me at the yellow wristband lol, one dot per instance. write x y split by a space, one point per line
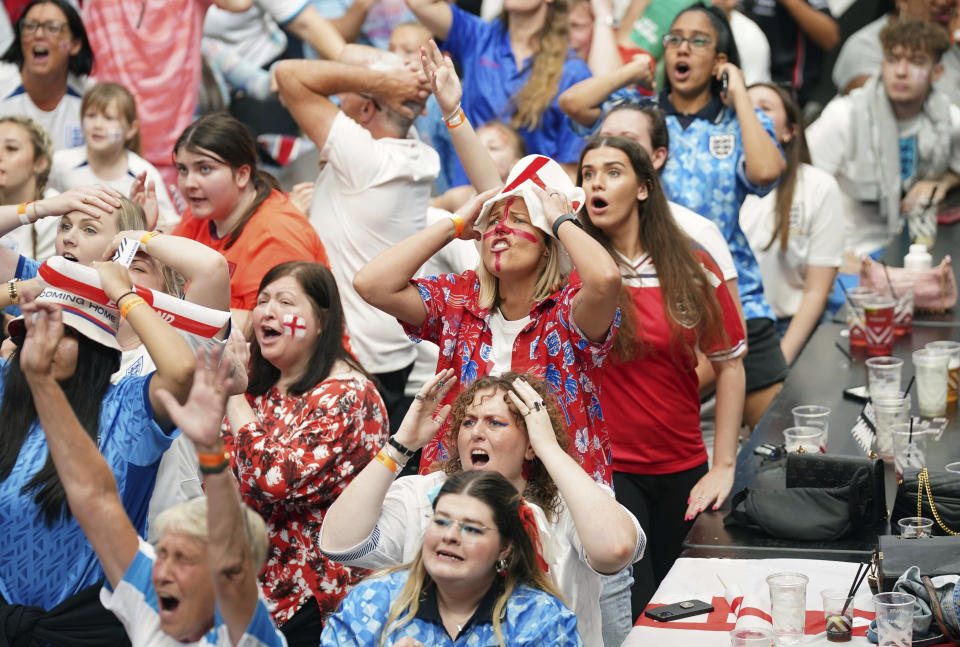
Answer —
388 462
22 212
130 305
147 236
457 226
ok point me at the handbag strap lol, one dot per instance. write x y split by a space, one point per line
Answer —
923 482
937 611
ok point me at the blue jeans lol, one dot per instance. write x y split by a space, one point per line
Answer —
615 607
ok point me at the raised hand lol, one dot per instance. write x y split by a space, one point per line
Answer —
199 418
145 194
555 203
44 323
443 78
736 86
237 353
471 211
423 420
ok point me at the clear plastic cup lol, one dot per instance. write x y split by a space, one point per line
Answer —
838 614
953 365
855 314
803 440
813 415
909 449
930 367
883 375
752 637
889 410
894 619
915 527
788 606
902 293
953 467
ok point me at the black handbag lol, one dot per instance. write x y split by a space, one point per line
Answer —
812 497
934 495
894 555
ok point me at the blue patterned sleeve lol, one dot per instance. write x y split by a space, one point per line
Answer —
435 292
359 620
749 186
127 408
537 618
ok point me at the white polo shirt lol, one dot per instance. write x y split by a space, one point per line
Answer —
62 123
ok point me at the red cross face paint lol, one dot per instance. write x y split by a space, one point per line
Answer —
294 326
508 231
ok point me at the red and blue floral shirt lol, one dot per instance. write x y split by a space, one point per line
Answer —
550 346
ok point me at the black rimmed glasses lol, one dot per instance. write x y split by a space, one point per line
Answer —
697 41
51 27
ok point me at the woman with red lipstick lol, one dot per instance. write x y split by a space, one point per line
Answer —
43 71
238 209
310 421
518 311
674 303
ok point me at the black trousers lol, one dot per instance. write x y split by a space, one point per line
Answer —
659 502
392 385
305 627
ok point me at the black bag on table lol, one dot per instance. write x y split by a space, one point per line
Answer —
934 495
933 556
812 497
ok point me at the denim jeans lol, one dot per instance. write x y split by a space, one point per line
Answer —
615 607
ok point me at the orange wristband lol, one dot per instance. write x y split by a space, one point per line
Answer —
22 213
147 236
388 462
130 305
213 460
457 120
457 226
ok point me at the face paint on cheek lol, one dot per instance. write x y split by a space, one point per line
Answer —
502 230
294 326
919 73
64 46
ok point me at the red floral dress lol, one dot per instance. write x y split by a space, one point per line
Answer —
291 465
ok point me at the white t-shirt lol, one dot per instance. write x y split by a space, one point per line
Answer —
504 333
71 169
370 195
753 46
704 232
406 512
456 257
816 236
6 32
254 32
20 240
62 123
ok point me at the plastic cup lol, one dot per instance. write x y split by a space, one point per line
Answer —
788 606
930 367
883 375
953 467
878 321
915 527
909 449
894 619
953 365
902 293
813 415
803 439
889 410
838 615
855 314
752 637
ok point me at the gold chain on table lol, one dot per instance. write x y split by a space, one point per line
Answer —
923 481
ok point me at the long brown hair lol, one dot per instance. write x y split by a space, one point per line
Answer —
536 95
540 486
522 567
689 301
227 138
797 153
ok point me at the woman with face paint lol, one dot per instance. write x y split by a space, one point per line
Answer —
111 155
311 419
44 69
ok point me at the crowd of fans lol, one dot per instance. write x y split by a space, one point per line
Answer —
457 388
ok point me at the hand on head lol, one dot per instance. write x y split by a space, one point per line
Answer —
443 78
401 86
555 203
424 419
44 324
199 418
94 201
470 211
532 407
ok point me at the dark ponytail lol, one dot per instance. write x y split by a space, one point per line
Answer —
227 138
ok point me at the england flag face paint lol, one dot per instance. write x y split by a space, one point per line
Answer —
294 326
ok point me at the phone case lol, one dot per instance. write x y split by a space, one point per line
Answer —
679 610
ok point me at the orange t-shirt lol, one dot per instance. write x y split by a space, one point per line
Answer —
276 233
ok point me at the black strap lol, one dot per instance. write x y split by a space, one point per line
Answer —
937 611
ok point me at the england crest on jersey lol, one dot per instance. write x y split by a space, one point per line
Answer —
722 146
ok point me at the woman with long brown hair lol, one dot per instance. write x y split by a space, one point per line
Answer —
514 69
674 302
796 231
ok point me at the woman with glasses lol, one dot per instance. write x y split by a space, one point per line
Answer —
477 579
43 70
508 424
721 150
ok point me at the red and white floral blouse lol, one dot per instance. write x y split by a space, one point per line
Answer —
291 465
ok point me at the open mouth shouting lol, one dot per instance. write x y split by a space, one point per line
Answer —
41 54
269 334
597 205
681 71
479 458
70 257
168 605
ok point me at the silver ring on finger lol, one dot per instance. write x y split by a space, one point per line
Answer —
440 384
418 398
538 405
